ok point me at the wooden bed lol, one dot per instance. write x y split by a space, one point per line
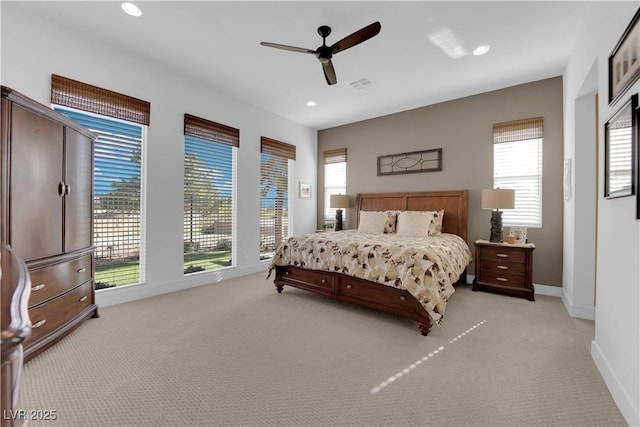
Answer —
375 295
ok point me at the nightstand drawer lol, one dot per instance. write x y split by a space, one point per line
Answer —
503 254
500 266
503 279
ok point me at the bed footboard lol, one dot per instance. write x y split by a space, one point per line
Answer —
354 290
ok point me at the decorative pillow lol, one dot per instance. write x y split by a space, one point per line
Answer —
435 227
390 226
414 223
372 222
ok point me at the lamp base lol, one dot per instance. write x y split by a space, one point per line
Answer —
338 220
496 226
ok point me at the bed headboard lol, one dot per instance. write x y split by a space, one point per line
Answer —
454 204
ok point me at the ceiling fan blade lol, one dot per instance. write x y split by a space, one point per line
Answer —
290 48
358 37
329 73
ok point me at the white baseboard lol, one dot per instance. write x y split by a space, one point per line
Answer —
552 291
629 410
577 311
122 294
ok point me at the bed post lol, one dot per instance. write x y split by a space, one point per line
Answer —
424 327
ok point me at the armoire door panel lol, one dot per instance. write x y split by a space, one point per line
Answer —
78 197
36 181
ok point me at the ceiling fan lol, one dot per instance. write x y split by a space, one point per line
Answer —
324 53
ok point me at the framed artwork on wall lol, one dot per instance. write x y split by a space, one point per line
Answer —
624 61
411 162
305 190
637 161
620 137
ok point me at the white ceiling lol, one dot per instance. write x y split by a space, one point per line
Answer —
529 41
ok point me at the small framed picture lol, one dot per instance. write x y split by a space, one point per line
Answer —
305 190
520 234
620 138
330 226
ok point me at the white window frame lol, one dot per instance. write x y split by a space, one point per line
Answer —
143 186
517 164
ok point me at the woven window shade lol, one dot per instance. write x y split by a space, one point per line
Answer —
339 155
518 130
277 148
211 131
85 97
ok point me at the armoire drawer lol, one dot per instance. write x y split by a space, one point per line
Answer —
48 282
48 317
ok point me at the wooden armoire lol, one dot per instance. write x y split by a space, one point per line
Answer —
47 214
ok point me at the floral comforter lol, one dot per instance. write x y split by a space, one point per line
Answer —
426 267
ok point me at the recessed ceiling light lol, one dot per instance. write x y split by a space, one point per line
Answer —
131 9
481 50
311 103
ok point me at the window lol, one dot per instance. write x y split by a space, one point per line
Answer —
335 178
209 171
275 160
118 176
117 197
517 157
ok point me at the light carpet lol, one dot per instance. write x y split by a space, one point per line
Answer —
238 353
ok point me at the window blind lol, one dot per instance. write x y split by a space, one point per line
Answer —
117 198
208 203
275 157
82 96
277 148
211 131
517 156
335 178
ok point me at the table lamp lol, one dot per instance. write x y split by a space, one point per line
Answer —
496 199
339 201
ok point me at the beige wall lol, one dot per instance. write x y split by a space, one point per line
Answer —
463 128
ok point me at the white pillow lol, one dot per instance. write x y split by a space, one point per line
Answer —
372 222
414 223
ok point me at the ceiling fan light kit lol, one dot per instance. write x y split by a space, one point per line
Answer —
324 53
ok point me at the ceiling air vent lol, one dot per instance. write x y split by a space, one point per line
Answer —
361 84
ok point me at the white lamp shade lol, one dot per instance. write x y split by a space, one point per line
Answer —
498 198
339 201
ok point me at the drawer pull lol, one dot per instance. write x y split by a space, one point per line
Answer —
38 287
82 270
323 281
501 279
286 273
84 298
502 255
348 286
502 267
38 324
402 298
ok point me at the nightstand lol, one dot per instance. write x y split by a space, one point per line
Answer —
504 268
